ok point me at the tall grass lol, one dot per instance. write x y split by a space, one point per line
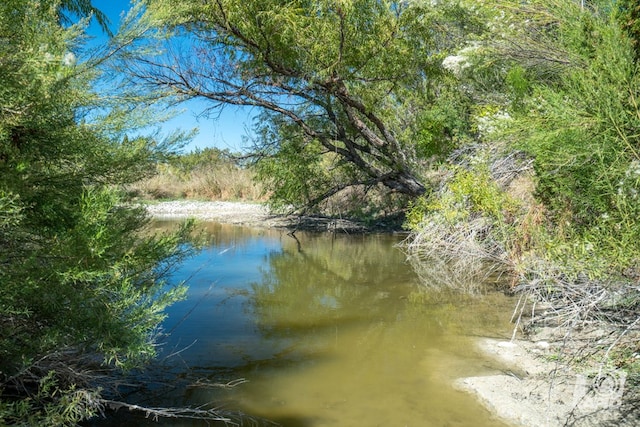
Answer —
203 175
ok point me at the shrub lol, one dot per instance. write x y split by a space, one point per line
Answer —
82 288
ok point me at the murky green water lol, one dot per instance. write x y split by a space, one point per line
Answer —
326 330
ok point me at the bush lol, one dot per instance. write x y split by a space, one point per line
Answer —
463 234
82 288
582 132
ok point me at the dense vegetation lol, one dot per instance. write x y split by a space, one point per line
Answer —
507 130
81 290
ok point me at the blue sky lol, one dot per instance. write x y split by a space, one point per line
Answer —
224 132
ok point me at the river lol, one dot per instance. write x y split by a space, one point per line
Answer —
318 330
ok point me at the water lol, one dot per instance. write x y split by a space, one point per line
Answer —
322 330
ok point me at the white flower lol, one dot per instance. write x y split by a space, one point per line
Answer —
455 64
489 124
69 59
459 62
634 168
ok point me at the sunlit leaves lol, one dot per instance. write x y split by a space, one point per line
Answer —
81 281
351 77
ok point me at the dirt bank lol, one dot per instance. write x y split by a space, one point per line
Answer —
255 215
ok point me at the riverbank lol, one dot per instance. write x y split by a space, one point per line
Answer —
533 390
259 216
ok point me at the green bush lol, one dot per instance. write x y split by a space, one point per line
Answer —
582 132
82 280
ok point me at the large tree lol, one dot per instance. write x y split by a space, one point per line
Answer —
347 88
81 284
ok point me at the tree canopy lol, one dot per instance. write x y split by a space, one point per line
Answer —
353 87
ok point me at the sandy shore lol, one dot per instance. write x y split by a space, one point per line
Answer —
248 214
532 391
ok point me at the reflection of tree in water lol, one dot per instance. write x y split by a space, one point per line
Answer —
331 278
349 326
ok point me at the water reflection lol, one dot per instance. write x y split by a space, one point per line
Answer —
328 330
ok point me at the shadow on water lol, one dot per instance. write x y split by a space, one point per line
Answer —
325 330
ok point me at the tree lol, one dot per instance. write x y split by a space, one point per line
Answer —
82 284
68 9
348 85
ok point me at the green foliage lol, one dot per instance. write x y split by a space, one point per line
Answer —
480 192
582 132
518 84
82 284
205 158
73 9
294 174
629 18
442 124
360 82
468 193
70 406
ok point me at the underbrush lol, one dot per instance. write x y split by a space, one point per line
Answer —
374 206
482 228
473 228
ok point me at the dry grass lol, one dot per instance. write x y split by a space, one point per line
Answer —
222 182
461 256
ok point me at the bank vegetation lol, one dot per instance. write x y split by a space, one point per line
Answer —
206 174
505 133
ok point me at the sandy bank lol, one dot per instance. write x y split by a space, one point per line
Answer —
535 391
250 215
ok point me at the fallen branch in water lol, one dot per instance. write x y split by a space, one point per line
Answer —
199 413
155 414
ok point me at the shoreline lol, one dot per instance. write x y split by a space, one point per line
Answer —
256 215
534 390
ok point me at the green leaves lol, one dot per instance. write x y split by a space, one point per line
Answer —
82 280
349 78
629 18
294 173
579 124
